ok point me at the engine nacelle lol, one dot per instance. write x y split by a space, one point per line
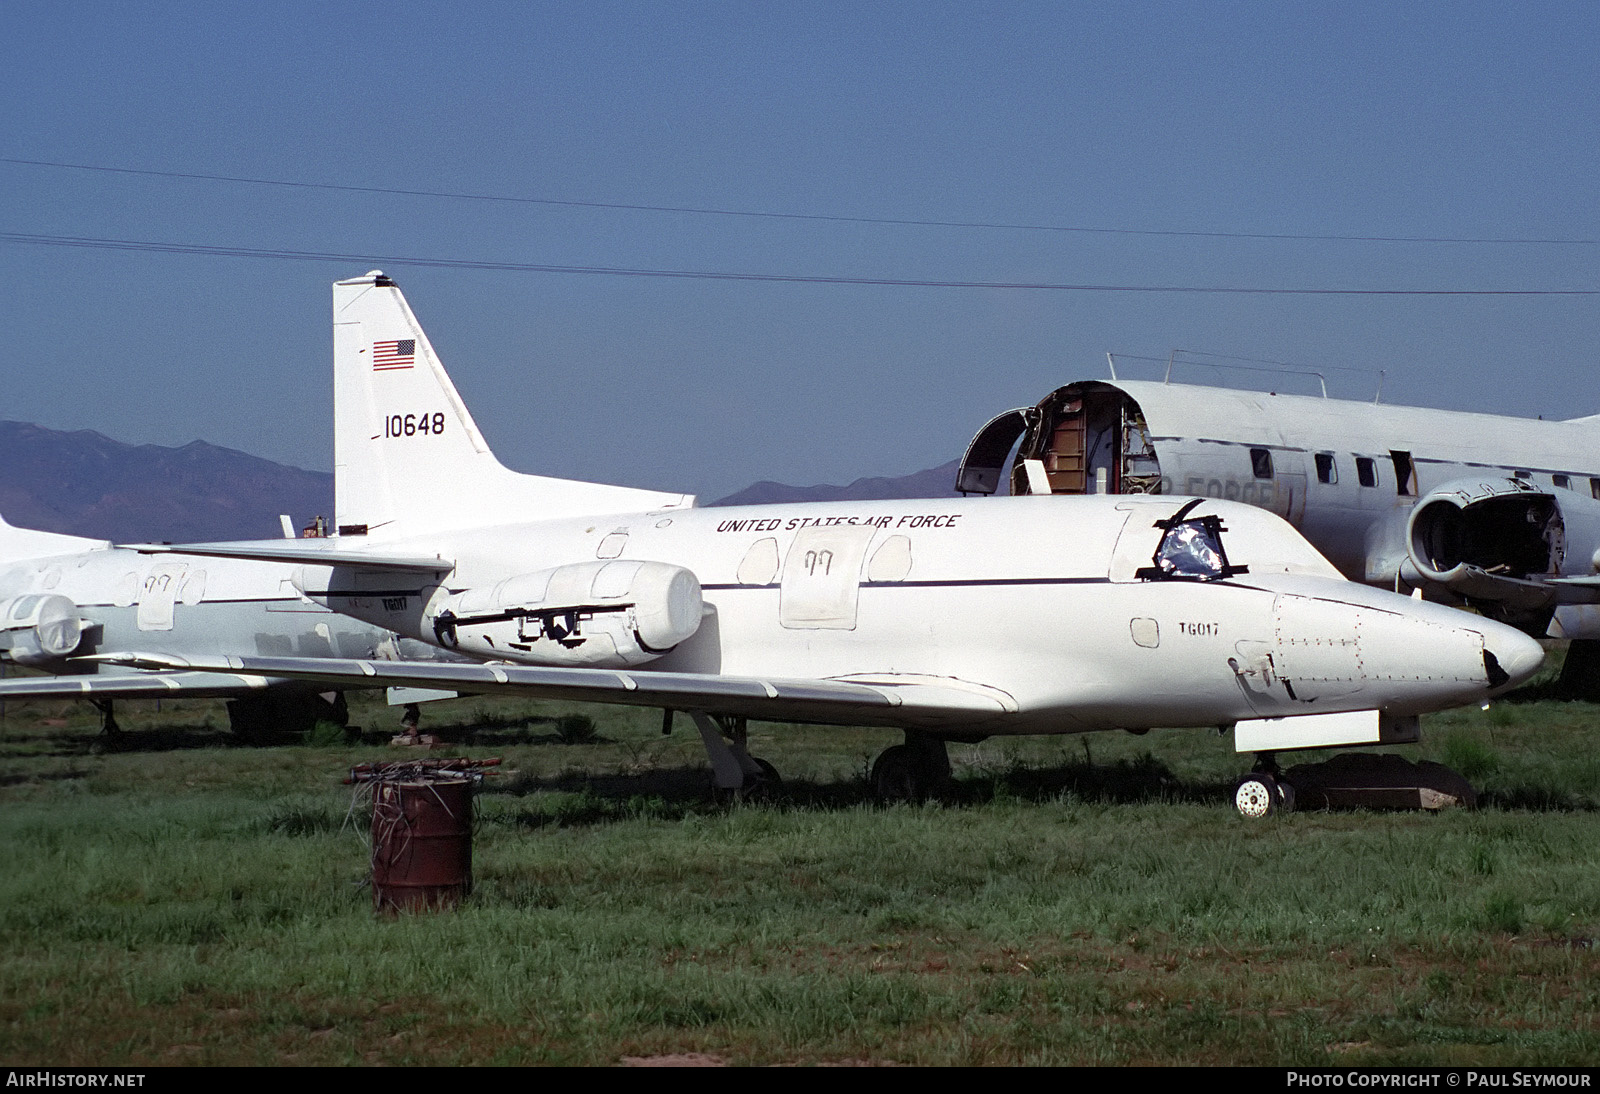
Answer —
1501 541
608 614
40 628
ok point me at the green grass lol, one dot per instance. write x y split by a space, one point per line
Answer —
173 899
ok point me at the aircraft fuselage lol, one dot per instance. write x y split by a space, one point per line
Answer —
1039 616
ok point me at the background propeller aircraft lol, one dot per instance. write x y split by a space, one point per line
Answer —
952 619
1498 514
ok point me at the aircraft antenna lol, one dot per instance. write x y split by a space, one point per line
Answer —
1219 361
1111 359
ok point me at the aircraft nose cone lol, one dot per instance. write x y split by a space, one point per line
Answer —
1514 653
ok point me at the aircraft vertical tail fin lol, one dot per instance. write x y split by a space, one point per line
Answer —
408 458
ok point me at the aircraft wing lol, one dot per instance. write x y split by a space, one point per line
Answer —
876 700
134 685
1524 593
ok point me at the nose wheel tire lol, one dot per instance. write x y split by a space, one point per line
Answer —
1261 795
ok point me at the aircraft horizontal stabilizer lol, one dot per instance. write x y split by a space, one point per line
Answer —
836 702
327 553
19 543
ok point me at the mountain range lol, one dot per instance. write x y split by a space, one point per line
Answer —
84 483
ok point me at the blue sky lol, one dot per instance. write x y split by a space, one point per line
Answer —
1466 121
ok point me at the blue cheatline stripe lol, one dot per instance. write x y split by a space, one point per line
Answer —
951 584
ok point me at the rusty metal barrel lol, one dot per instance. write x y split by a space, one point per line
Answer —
421 845
421 832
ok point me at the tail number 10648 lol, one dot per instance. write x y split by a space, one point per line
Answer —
412 425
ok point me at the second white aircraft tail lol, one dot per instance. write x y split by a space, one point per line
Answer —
408 458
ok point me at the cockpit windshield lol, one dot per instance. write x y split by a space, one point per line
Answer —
1191 549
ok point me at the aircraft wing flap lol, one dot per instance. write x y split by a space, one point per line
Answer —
938 692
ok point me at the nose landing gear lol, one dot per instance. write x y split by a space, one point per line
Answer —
1263 792
1261 795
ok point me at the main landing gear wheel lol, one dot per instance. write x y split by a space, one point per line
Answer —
281 717
1260 795
912 772
894 776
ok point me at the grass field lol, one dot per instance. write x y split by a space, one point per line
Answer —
178 900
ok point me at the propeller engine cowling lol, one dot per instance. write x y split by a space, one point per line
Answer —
40 628
608 614
1498 542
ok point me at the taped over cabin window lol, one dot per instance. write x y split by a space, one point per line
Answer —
1191 549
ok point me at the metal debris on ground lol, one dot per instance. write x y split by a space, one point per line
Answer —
420 770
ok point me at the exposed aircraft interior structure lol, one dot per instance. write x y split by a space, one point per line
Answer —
1494 513
948 619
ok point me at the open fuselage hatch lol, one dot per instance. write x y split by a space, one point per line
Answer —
1085 438
1094 438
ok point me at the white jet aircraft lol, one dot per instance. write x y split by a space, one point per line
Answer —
1499 514
66 600
952 620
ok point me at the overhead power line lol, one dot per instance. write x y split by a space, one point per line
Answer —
724 275
771 215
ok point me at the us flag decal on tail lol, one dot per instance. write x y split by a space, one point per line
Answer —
392 355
